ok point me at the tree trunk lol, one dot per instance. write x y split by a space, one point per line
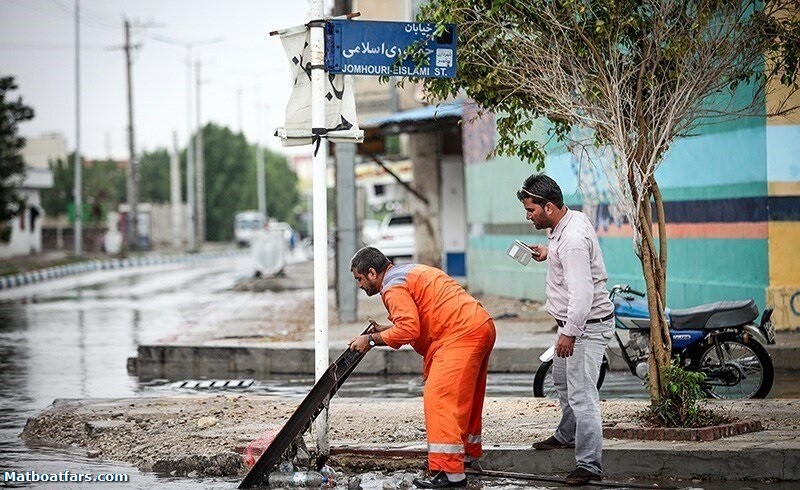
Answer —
654 269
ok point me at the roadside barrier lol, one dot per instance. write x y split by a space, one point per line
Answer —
32 277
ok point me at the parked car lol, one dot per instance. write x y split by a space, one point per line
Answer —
370 231
396 236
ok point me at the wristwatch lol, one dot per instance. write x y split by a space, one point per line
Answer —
372 342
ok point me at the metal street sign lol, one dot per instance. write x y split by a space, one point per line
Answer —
362 47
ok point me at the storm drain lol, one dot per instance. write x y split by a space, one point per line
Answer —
214 384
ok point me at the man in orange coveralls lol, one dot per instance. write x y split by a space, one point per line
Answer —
451 330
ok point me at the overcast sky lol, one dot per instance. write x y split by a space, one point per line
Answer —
37 39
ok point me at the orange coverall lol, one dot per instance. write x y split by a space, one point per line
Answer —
455 335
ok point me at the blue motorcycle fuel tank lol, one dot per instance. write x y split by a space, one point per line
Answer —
633 308
632 314
625 308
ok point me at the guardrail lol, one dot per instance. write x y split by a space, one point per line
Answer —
32 277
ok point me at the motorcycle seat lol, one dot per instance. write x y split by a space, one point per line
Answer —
711 316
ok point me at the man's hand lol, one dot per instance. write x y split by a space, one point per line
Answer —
377 327
539 252
565 345
360 343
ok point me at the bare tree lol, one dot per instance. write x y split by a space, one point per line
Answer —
637 75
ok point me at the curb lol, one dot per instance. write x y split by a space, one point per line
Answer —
683 434
624 459
260 361
197 361
32 277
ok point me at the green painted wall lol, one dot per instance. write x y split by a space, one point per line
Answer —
727 161
698 270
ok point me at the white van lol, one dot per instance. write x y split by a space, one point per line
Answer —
245 225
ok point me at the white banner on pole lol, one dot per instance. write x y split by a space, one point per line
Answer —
341 121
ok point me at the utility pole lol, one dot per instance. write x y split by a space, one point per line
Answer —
175 192
191 235
346 223
78 191
261 178
239 109
132 187
320 209
200 177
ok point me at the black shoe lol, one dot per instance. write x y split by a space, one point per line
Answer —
580 476
475 464
551 443
438 480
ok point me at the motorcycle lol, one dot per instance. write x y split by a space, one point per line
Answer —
718 339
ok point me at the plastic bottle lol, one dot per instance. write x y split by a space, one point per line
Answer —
328 476
303 479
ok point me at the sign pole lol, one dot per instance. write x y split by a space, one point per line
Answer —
320 209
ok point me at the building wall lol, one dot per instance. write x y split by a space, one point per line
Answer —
723 240
783 171
26 230
40 151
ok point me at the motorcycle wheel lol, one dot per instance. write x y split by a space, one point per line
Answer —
747 366
543 380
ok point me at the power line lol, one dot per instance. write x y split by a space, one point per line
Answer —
70 47
61 14
102 19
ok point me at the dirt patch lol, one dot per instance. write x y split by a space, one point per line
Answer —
206 435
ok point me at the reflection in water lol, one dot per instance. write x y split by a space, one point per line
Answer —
71 339
13 366
82 353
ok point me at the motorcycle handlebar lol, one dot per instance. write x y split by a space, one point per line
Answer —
627 289
633 291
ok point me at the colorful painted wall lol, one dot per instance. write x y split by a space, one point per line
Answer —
783 172
732 202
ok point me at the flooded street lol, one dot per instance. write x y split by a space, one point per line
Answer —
70 338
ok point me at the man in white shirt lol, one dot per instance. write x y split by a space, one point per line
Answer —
578 300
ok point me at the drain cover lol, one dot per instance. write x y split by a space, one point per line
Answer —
214 384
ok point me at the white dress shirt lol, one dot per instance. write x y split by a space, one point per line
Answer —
576 274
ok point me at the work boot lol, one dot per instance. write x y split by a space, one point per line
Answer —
438 480
581 476
473 464
550 443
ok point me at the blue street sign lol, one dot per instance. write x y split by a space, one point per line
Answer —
363 47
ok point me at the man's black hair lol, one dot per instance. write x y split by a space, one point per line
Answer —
542 189
369 258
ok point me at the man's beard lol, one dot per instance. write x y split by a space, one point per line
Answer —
540 225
